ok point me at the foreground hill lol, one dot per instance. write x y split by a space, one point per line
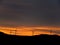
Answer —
20 40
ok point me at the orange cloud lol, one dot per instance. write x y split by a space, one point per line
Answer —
29 31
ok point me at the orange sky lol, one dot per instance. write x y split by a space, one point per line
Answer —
28 31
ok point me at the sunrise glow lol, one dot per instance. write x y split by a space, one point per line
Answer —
28 31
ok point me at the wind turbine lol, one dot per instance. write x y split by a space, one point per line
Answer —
13 32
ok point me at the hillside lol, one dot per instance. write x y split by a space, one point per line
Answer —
41 39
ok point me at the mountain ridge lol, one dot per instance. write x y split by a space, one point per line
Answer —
38 39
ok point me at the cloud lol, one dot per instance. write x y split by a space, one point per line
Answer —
49 31
30 12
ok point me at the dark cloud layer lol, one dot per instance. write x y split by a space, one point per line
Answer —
30 12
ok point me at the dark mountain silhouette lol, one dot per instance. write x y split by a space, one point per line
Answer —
42 39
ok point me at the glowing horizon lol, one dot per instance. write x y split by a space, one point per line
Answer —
27 31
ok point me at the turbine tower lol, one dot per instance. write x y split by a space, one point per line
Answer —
32 32
13 32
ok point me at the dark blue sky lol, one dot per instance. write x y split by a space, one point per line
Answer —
30 12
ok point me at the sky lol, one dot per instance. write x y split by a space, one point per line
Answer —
29 13
30 31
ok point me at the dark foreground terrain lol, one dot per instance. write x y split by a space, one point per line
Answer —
32 40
